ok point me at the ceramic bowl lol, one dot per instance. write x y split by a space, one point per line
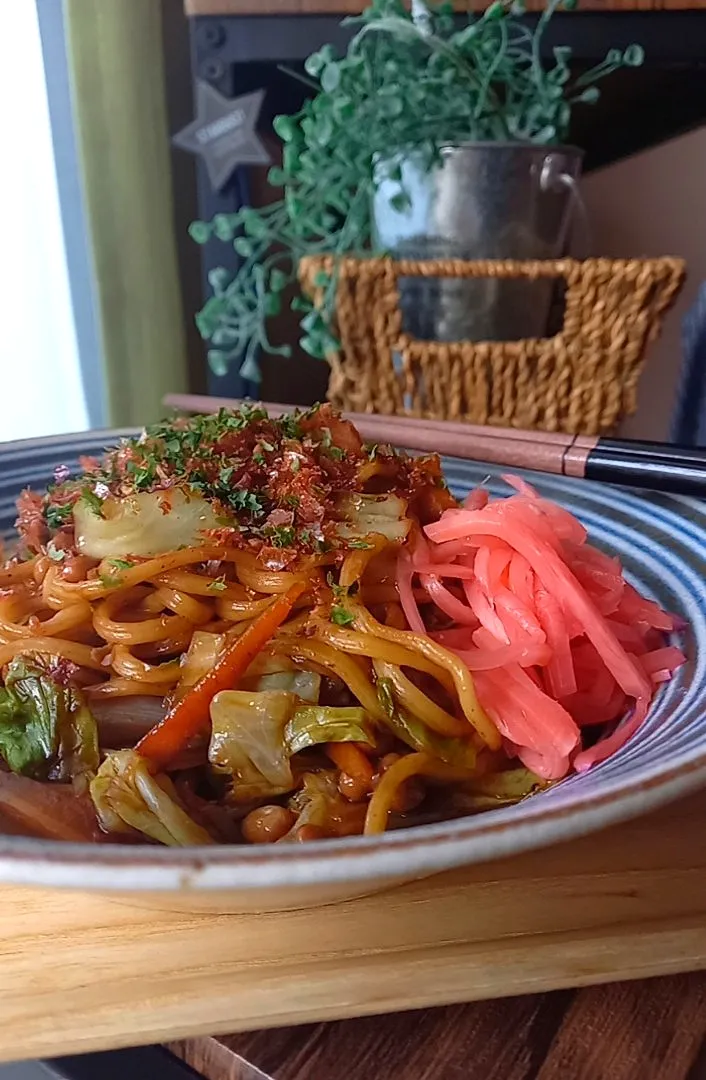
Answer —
661 541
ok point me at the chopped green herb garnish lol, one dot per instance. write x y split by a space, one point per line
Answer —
143 473
281 536
55 554
244 464
329 446
340 592
57 516
93 502
333 585
341 616
291 428
110 581
218 585
199 482
245 500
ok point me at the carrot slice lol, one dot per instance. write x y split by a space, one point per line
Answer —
351 761
190 716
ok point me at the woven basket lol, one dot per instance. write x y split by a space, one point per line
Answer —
583 380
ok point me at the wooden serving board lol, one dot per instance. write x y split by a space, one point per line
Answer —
80 972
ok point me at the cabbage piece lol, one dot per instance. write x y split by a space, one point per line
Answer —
147 523
324 724
267 662
266 672
305 684
46 729
315 800
126 797
204 651
383 515
319 802
247 741
496 789
415 733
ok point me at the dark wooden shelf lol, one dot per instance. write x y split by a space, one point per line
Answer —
352 7
639 107
238 45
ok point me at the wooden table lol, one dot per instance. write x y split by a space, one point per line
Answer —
650 1030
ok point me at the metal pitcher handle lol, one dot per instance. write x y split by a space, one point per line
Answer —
554 176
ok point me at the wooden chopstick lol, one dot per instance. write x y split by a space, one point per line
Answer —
539 450
659 466
372 422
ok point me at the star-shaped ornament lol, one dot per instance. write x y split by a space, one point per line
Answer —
223 133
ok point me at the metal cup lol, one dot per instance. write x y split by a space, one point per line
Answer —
482 201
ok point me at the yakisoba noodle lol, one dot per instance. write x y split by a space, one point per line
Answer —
207 637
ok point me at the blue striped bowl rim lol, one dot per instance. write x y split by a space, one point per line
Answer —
660 539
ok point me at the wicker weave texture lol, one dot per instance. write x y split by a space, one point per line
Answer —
582 380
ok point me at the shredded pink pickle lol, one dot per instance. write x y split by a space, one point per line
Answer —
557 640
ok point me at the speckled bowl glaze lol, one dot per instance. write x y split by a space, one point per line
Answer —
662 542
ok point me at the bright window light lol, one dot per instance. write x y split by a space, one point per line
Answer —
40 380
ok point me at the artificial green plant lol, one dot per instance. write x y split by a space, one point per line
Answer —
409 83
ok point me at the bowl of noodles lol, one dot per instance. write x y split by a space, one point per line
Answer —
256 663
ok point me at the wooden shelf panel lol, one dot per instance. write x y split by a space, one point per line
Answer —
353 7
